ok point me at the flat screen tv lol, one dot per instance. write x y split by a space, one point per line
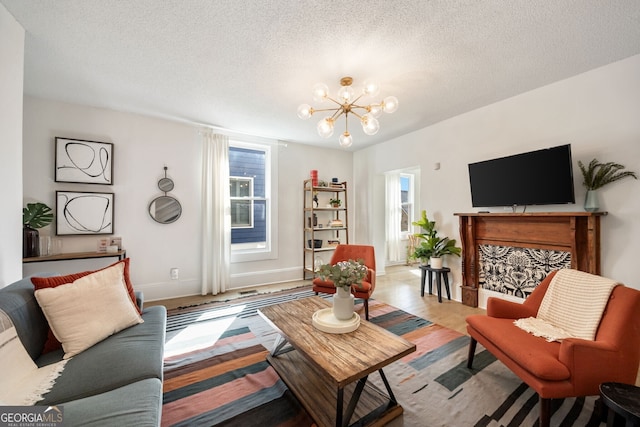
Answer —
541 177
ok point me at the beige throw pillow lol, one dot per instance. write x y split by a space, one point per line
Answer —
83 313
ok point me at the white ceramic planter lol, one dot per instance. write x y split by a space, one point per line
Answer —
343 302
435 262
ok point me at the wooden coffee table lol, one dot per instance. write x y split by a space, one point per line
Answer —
321 369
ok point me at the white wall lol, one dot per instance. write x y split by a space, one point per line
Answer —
11 83
597 112
142 147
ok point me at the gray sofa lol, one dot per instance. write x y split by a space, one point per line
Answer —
117 382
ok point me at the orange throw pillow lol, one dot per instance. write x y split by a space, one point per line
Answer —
52 342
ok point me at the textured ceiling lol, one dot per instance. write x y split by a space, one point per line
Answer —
245 65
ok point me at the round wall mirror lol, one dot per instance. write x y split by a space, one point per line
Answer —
165 184
165 209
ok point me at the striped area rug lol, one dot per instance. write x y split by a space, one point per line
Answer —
216 374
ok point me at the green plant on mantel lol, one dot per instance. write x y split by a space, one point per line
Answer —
597 175
36 215
335 202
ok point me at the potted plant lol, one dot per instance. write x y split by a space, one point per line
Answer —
433 247
34 216
343 274
335 203
596 175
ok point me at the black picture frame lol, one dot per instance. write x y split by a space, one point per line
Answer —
84 213
84 162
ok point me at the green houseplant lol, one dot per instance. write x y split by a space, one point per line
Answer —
335 202
596 175
433 247
34 216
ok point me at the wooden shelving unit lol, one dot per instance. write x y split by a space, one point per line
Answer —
316 222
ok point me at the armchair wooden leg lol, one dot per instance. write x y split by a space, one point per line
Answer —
472 352
366 309
545 412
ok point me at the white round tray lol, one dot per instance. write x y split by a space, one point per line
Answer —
325 321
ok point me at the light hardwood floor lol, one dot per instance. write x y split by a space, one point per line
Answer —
400 287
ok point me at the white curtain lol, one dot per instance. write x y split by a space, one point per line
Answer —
393 216
216 214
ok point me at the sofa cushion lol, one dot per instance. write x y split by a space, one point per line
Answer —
18 301
130 355
534 354
85 312
52 342
138 404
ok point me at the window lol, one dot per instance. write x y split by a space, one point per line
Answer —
406 203
251 169
241 191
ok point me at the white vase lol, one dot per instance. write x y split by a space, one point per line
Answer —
343 303
435 262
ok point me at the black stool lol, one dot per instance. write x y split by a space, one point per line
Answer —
622 402
440 273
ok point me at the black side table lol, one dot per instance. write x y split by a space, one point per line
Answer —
440 273
622 402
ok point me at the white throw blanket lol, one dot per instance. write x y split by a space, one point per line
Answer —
21 381
571 308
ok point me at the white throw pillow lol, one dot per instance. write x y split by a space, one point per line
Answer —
83 313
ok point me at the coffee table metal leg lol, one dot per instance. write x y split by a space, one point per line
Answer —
388 387
279 344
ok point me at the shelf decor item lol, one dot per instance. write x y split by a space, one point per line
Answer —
34 216
343 274
596 175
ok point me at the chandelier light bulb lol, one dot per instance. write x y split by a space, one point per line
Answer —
375 110
371 88
390 104
346 139
320 92
345 94
305 111
325 127
370 124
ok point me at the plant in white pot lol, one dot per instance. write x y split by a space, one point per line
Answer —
596 175
432 247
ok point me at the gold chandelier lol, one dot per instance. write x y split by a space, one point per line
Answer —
347 104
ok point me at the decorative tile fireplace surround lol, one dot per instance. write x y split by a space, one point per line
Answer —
513 253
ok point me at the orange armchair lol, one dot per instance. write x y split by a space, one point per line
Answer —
571 368
363 290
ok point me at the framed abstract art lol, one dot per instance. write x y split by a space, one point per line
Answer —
84 213
85 162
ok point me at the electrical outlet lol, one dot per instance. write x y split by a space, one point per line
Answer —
175 274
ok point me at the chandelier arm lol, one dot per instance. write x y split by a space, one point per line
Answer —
327 109
364 107
356 114
338 113
331 99
356 100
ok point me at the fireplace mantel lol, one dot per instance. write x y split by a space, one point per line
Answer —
575 232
